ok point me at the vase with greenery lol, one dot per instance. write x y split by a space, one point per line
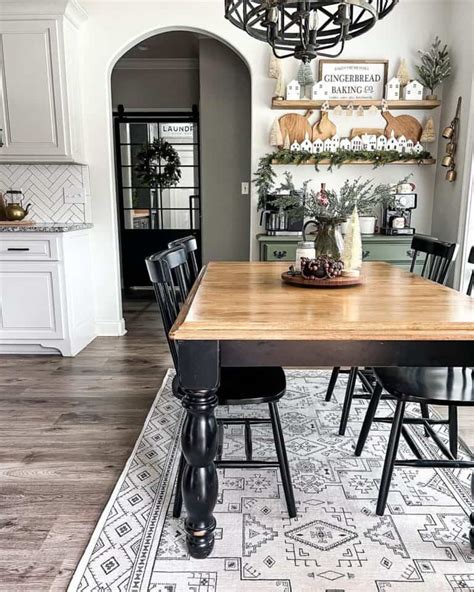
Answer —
435 66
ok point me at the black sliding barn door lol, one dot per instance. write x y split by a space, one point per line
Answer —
152 217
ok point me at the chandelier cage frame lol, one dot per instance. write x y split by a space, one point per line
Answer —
305 29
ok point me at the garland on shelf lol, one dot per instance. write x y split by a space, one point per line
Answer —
158 165
265 175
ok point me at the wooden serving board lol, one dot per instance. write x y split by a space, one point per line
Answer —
338 282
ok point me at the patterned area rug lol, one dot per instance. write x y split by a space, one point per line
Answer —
336 544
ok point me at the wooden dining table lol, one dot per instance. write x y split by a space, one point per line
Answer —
242 314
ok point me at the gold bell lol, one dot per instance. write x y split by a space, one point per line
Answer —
451 175
448 132
447 161
450 146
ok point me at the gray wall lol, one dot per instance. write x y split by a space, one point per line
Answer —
450 201
225 108
155 89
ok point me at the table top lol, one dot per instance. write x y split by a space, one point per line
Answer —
249 301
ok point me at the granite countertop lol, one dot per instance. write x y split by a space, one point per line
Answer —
46 227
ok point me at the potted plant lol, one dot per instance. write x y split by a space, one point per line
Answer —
368 198
435 66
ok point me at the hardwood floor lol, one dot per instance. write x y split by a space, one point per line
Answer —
67 427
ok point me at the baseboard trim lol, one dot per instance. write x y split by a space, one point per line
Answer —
110 328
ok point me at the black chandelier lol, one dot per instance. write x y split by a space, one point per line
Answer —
306 28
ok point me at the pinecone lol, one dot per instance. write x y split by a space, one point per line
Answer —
321 268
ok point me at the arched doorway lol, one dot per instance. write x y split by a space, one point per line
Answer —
194 92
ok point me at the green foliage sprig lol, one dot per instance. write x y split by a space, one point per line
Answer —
379 157
435 65
158 165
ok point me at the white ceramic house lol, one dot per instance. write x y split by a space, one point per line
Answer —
320 91
327 145
418 148
369 141
318 146
392 89
306 144
335 143
381 143
413 91
402 143
356 143
409 146
345 144
295 147
392 143
293 91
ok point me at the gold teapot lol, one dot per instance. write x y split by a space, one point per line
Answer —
15 211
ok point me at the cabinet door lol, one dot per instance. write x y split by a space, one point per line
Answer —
280 251
32 105
30 301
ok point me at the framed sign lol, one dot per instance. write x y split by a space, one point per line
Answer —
354 79
177 129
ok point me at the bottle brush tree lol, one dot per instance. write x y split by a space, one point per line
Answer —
402 74
435 65
352 254
305 77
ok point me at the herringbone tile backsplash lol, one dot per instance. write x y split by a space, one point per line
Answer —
43 186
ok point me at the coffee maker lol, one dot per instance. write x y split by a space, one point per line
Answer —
396 218
278 221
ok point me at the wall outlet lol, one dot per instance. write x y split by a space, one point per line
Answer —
245 188
74 195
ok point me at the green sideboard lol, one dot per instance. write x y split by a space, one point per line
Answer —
375 247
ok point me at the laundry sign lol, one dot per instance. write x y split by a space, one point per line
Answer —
177 130
354 79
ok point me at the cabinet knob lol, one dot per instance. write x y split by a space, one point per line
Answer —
1 138
279 254
365 254
18 249
410 253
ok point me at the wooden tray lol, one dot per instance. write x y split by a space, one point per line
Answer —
338 282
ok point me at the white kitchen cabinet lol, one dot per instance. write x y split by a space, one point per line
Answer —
46 298
40 112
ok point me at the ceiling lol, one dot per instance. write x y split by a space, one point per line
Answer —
175 44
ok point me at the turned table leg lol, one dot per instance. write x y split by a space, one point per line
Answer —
199 380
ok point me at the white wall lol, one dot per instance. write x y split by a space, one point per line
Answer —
115 26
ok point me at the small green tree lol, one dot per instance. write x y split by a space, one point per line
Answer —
435 65
305 77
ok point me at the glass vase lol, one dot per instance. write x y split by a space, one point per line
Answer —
328 241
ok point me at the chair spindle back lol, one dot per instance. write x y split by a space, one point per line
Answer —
169 274
439 256
190 245
471 281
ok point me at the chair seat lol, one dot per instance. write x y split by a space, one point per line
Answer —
440 386
247 385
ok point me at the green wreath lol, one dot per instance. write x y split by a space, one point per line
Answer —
158 165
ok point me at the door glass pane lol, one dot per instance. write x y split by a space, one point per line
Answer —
155 208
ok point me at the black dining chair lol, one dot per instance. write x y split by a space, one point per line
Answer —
436 258
189 243
449 387
168 271
471 280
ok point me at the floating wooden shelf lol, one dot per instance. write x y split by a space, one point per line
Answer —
308 104
326 162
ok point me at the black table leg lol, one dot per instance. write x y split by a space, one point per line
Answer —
199 379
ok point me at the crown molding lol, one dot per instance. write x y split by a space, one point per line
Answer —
157 64
34 9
